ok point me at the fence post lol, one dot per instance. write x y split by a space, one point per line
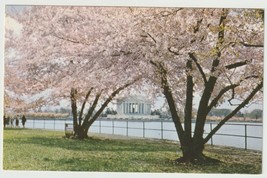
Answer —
112 127
54 123
99 126
44 123
161 129
127 128
211 141
33 123
144 129
246 141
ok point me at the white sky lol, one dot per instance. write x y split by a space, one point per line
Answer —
12 24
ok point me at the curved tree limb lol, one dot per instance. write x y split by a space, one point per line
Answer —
226 89
252 45
192 56
189 103
221 93
91 110
229 116
83 105
151 37
69 39
209 87
169 97
238 64
73 97
109 99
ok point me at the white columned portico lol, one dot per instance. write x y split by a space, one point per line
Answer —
134 107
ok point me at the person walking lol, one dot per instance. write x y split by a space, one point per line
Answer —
8 120
11 121
5 121
23 120
17 121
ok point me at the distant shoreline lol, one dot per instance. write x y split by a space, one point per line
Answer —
241 120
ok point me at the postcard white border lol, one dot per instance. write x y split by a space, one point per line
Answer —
137 3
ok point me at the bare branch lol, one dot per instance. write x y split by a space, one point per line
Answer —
252 45
229 116
217 98
167 13
91 110
73 97
238 64
191 55
152 37
196 28
69 40
226 89
83 105
220 40
109 99
169 97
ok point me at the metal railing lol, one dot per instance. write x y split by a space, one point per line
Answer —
245 135
160 130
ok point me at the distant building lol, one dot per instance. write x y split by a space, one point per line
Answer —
133 107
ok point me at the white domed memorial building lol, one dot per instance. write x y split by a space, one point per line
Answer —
133 107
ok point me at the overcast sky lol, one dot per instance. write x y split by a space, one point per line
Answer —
11 23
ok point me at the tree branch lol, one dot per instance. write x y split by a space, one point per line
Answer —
229 116
91 110
238 64
113 94
209 87
220 40
83 105
217 98
69 40
188 103
191 55
226 89
73 97
169 97
152 37
252 45
174 52
196 28
167 13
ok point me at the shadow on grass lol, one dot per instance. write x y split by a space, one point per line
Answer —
119 155
93 144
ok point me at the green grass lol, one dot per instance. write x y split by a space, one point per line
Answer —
48 151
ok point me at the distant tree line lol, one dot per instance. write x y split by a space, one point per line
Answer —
255 114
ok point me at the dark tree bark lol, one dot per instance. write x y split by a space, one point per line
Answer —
73 97
187 146
81 128
192 146
169 97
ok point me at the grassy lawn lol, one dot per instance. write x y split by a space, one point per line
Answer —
48 151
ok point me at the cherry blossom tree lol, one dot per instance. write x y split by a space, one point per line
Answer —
214 53
75 52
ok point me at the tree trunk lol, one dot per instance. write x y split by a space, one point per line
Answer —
81 132
187 143
81 129
73 97
191 153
